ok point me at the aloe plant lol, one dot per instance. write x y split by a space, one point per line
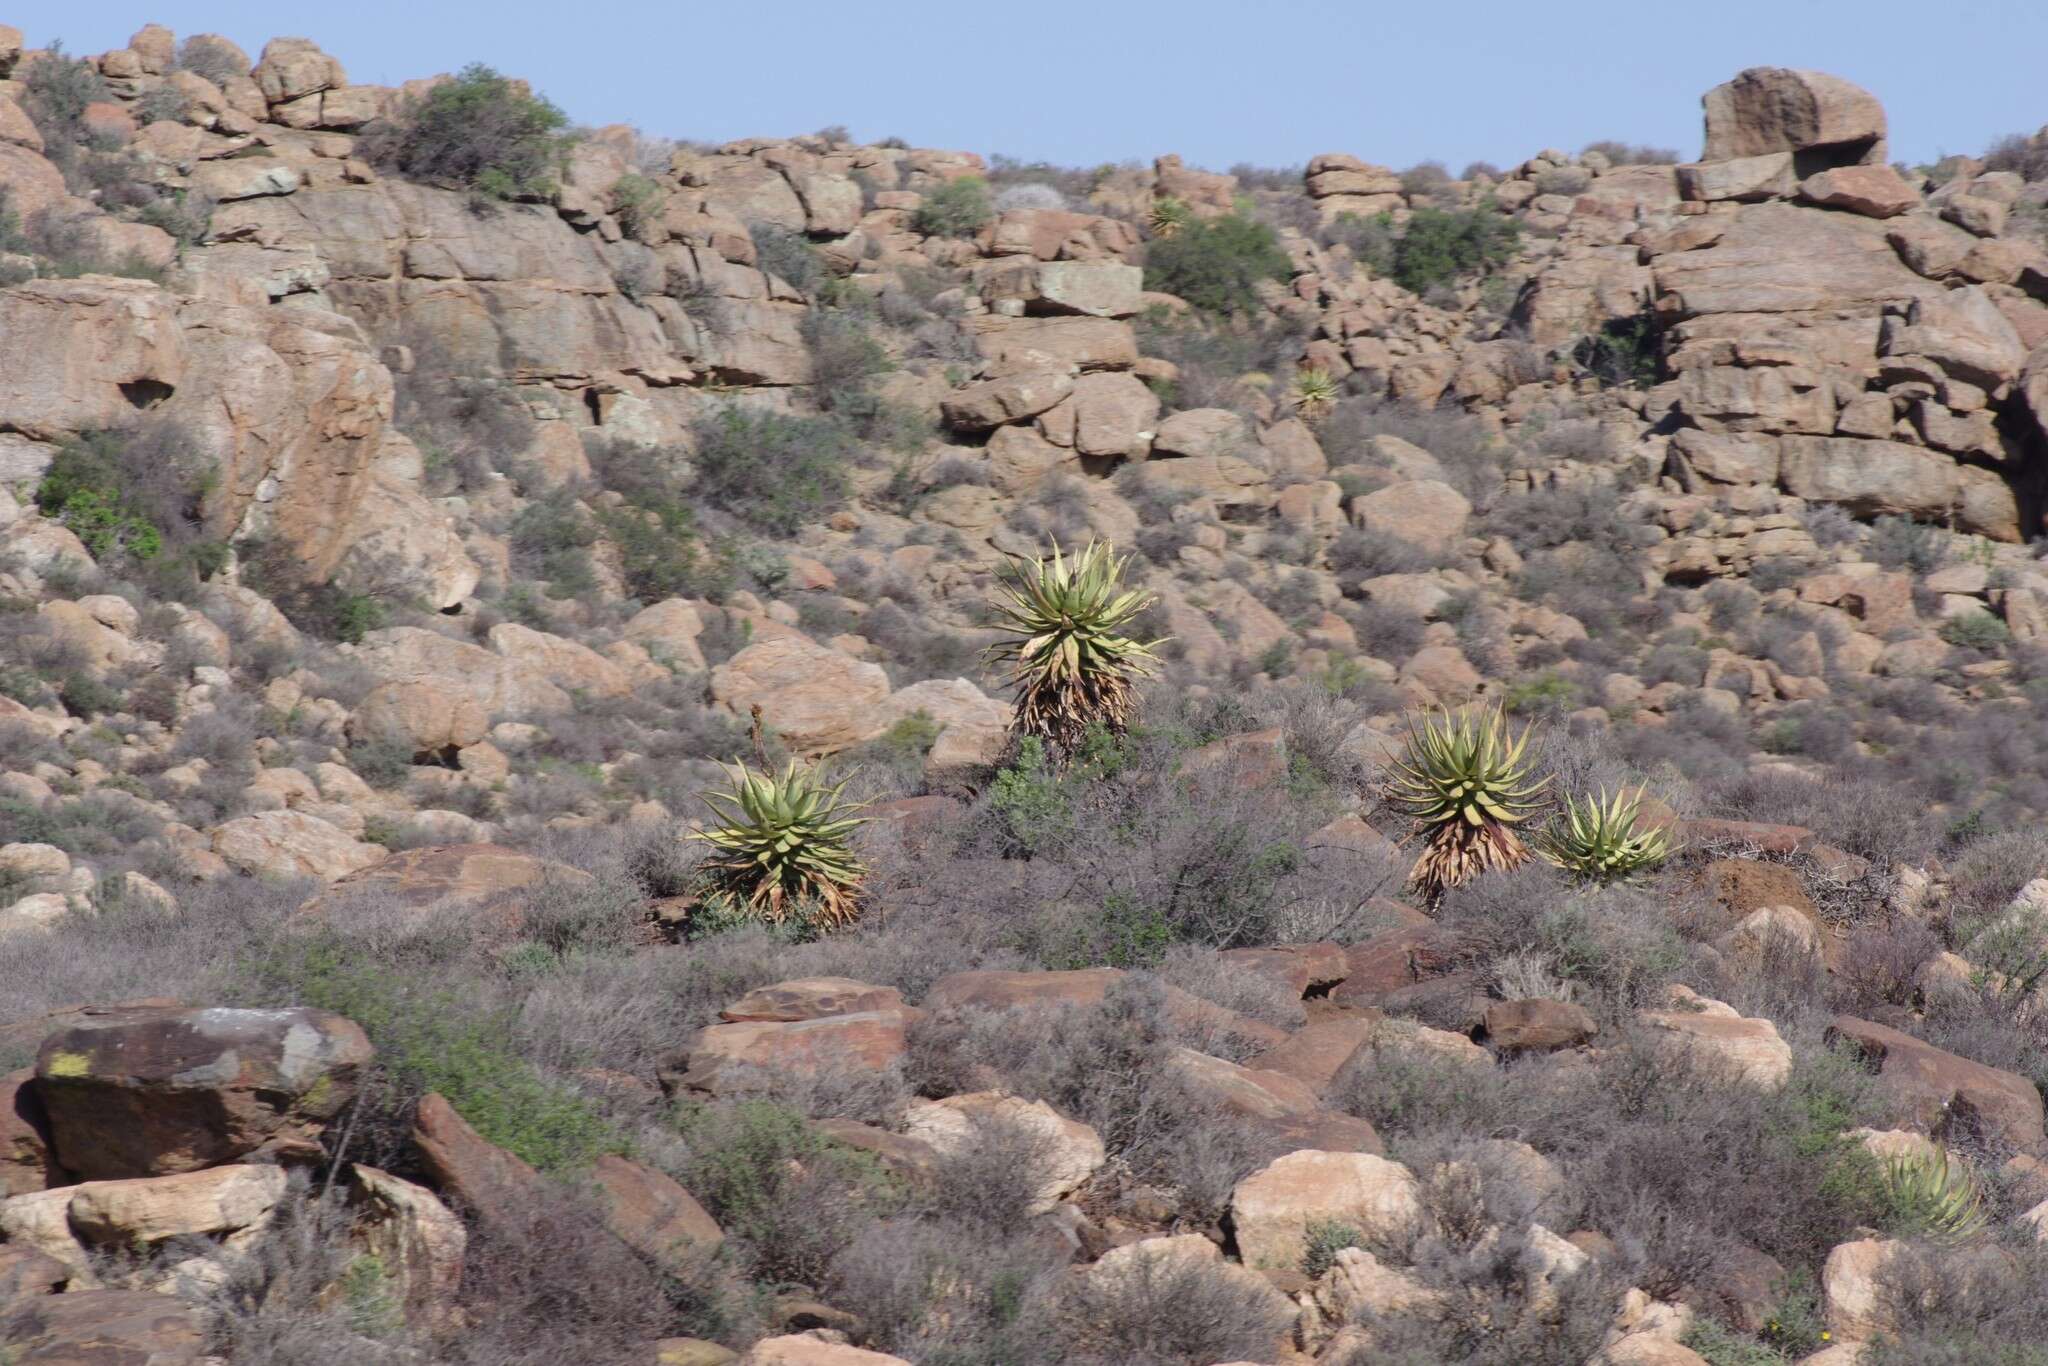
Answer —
780 845
1933 1197
1062 624
1603 839
1465 781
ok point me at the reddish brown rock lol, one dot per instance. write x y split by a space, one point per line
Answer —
1873 191
1084 987
723 1054
150 1092
1318 1051
1391 961
26 1162
652 1214
810 998
1301 968
483 1178
1538 1024
1946 1092
105 1328
1770 839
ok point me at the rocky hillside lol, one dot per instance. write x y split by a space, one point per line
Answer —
408 503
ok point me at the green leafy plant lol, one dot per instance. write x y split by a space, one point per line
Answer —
781 847
1216 264
1323 1240
1977 630
1929 1196
958 208
1602 839
1465 781
480 132
1440 247
1062 624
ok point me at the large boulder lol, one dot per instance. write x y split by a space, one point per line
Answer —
151 1091
1823 120
84 354
426 716
1945 1092
816 699
1271 1209
1063 1152
733 1057
293 844
1715 1038
420 1243
142 1211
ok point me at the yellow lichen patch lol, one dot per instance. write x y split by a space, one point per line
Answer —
68 1065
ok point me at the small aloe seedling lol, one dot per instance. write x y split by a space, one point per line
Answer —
1313 392
1603 839
1467 784
781 844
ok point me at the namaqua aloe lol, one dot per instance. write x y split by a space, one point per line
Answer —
1466 782
1062 621
780 846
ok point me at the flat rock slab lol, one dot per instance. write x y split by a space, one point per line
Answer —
810 998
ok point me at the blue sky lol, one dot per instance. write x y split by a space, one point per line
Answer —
1219 83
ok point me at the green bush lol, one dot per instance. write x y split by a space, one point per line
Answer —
1441 246
654 530
1216 263
430 1037
958 208
1977 630
133 497
774 471
479 132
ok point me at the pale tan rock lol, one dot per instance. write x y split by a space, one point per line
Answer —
1020 345
288 844
429 717
1422 512
669 631
1850 1281
152 1209
576 668
292 68
1711 1034
420 1243
1210 433
1765 176
1064 1152
1271 1208
991 403
71 351
816 699
803 1349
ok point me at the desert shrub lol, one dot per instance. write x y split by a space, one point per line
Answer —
1441 247
479 132
958 208
1901 543
2024 154
213 57
1369 240
1216 264
789 256
1164 1310
56 92
1624 353
846 360
134 497
433 1035
774 471
1425 178
1633 154
1367 554
937 1291
1951 1308
788 1199
1978 630
270 566
467 428
1213 357
1028 195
